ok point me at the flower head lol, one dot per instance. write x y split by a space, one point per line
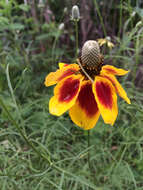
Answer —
88 89
107 41
75 13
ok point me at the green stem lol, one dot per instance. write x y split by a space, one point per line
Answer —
28 142
85 71
120 18
56 39
137 51
51 164
76 37
89 149
101 19
21 132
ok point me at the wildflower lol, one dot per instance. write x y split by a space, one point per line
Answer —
107 41
88 94
75 13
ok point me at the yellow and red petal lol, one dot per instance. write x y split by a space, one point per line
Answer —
110 44
60 74
109 69
106 99
119 89
65 94
61 65
101 41
85 112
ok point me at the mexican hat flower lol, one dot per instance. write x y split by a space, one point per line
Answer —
87 89
107 41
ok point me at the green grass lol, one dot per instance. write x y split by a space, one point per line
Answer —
115 152
39 151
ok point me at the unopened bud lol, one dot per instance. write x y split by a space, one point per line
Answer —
65 10
75 13
61 26
108 38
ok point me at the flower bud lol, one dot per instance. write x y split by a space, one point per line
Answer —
108 38
75 13
65 10
61 26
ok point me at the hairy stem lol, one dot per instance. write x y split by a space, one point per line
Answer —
76 37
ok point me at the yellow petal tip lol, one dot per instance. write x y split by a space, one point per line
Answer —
128 101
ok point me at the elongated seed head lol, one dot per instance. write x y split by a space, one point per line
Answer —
75 13
90 55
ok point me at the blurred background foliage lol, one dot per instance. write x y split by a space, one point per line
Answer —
34 36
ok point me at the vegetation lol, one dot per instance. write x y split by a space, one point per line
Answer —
39 151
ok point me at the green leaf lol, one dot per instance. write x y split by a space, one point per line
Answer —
24 7
139 11
16 26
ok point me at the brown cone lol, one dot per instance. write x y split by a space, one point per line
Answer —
90 55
